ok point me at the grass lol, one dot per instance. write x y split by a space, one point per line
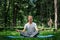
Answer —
14 33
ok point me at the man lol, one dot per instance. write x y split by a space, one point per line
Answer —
30 28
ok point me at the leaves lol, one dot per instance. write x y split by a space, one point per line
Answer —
41 12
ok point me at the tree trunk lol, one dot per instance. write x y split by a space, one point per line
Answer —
55 7
5 13
15 11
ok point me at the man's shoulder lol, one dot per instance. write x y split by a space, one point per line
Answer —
34 23
26 24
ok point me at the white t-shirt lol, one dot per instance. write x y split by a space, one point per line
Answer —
30 28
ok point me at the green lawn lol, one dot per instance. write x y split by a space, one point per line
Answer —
4 33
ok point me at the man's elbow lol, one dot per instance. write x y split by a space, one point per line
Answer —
23 30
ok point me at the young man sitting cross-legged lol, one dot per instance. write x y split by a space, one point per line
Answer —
30 28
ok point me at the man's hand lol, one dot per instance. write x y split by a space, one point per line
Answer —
18 30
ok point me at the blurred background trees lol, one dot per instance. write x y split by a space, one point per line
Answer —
14 12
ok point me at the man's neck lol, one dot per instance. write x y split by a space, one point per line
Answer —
30 22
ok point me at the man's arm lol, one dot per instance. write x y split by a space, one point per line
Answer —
22 30
36 27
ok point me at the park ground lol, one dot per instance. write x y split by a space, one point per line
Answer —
5 33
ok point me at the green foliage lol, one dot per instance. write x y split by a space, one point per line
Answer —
15 12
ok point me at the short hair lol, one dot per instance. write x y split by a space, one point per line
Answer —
30 16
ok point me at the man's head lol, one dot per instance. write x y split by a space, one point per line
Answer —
30 19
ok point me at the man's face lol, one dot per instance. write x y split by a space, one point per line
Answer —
30 18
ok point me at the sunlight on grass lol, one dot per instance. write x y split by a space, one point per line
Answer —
14 33
45 32
6 33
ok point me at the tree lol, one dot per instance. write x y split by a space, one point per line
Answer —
55 6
